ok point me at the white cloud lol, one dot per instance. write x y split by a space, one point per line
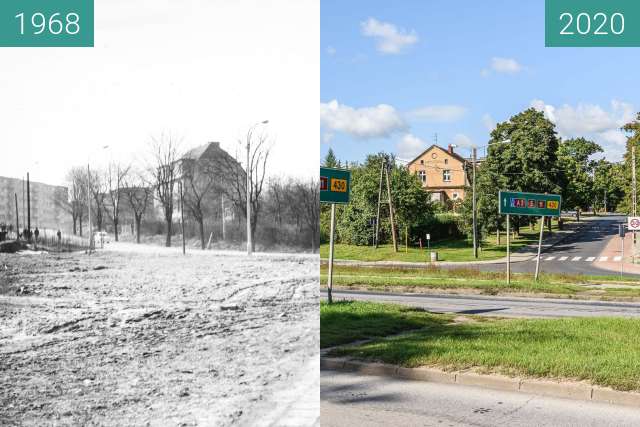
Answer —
331 50
368 122
462 140
327 137
390 40
488 122
590 121
502 65
439 113
410 146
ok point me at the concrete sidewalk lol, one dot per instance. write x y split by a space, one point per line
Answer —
525 253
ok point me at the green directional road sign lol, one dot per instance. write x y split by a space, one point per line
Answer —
533 204
335 185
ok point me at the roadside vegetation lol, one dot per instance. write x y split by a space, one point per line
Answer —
603 351
484 282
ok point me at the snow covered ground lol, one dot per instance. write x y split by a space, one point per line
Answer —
142 335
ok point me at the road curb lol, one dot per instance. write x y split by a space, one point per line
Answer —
562 389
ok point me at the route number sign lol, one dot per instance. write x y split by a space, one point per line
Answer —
335 185
530 204
633 223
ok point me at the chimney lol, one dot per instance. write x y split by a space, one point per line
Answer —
450 149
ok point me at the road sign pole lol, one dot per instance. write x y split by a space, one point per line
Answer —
622 244
508 253
330 276
539 247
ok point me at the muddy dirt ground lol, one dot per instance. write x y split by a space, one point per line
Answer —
158 338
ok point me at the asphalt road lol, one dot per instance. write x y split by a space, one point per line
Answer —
495 305
352 400
586 244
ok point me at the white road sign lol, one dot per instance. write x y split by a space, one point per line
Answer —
633 223
428 236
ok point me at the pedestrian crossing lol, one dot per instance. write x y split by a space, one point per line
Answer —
580 258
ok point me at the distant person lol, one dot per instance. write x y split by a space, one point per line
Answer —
36 233
59 234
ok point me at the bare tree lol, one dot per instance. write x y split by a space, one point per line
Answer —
164 171
199 177
234 178
115 177
99 193
309 201
138 194
75 200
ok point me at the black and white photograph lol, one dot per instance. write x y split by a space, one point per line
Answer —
159 217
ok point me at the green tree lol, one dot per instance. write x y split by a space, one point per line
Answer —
633 140
411 203
522 156
330 160
609 185
574 160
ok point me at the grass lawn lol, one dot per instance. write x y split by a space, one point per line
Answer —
346 322
604 351
492 283
448 250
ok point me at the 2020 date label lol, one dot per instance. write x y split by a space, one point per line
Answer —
592 23
47 23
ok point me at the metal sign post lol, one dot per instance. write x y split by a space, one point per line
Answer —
621 234
539 247
428 236
508 253
528 204
335 185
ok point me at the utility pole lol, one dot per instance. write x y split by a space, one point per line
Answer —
182 217
393 226
28 210
382 167
633 184
89 207
475 237
222 208
17 222
24 221
605 201
248 173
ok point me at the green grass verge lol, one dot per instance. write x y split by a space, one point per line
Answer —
345 322
448 250
604 351
485 281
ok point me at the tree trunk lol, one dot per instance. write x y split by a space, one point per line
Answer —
80 226
201 229
138 221
115 228
168 242
75 221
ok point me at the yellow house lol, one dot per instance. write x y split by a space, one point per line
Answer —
442 173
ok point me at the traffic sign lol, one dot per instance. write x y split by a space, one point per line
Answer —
633 223
531 204
335 185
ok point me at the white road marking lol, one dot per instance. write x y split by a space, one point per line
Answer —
563 258
617 258
576 258
550 258
603 258
591 258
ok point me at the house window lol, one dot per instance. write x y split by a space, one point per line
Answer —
446 175
446 161
422 161
423 176
455 196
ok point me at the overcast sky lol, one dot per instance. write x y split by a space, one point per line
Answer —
203 70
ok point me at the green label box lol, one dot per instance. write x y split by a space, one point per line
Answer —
532 204
335 185
592 23
46 23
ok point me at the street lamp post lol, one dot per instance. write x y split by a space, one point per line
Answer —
248 173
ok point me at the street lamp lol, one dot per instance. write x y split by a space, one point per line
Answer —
248 173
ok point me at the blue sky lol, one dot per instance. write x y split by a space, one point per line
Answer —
393 74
